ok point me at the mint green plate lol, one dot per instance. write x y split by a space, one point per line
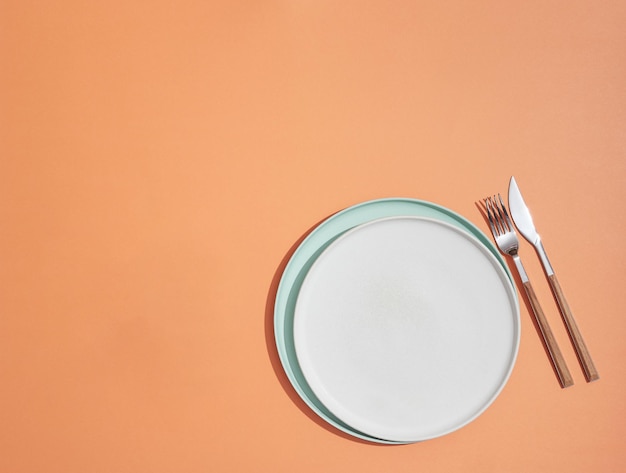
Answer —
306 254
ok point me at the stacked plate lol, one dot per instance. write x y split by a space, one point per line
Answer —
397 321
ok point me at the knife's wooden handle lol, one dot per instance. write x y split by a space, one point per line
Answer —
591 374
565 377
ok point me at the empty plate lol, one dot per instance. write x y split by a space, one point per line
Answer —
406 328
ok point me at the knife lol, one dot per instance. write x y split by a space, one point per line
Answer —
524 223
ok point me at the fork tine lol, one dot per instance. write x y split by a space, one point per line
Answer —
501 211
506 214
490 216
495 220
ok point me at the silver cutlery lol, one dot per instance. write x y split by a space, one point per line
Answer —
506 239
524 223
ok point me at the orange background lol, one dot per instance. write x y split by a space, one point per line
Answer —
159 160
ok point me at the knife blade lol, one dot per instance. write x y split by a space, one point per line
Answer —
524 223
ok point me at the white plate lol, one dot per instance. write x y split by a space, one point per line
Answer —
303 257
406 328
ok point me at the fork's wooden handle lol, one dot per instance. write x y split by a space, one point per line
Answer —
565 378
591 374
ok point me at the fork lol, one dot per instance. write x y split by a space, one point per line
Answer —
506 239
